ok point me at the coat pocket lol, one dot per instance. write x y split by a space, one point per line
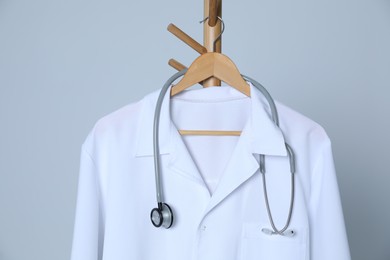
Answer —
257 245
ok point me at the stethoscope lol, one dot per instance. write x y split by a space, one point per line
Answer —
163 215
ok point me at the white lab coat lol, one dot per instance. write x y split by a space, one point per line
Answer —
116 189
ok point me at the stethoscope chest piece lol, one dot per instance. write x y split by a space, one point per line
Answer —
162 216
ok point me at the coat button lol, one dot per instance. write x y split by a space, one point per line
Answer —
203 227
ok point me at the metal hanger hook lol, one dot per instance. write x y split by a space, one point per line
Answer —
222 30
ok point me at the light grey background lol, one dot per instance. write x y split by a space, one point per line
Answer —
65 64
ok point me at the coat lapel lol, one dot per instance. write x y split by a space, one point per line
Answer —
181 160
241 166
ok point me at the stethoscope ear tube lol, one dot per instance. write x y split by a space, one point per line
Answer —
163 215
274 113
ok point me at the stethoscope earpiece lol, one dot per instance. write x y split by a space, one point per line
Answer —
287 233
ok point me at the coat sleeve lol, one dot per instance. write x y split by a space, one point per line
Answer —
88 225
327 228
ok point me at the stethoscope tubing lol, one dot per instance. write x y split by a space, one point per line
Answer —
156 124
275 118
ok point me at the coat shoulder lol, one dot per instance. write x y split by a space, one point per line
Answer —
117 124
299 125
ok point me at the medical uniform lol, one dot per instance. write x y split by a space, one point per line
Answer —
212 183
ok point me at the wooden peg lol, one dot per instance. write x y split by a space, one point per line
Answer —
186 39
176 65
213 9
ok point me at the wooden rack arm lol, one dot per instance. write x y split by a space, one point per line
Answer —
176 65
186 39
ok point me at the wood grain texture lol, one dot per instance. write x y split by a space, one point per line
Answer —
209 65
176 65
186 39
213 12
209 35
209 132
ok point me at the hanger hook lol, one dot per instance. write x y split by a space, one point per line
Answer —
222 30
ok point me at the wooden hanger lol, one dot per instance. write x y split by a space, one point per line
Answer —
210 65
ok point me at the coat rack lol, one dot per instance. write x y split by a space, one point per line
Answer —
211 30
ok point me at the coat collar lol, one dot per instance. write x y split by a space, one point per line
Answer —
264 137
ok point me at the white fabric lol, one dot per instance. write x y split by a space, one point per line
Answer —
213 184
